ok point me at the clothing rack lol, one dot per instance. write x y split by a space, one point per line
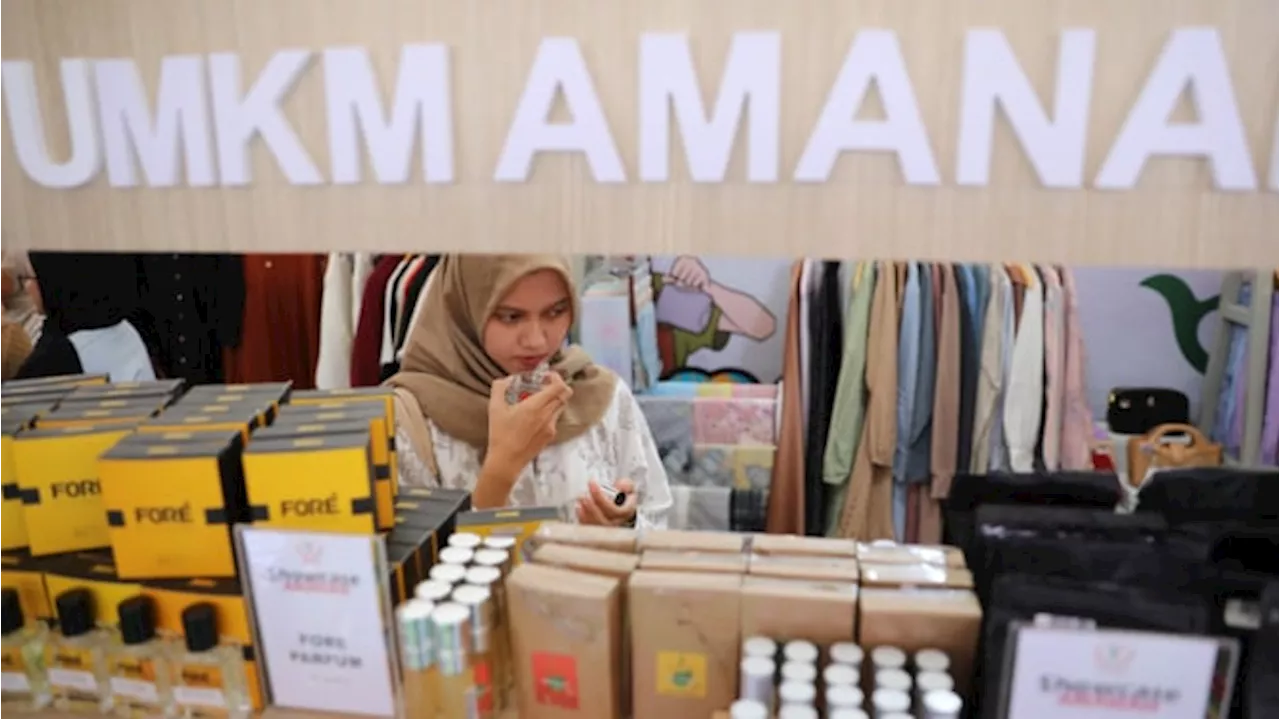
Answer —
1255 317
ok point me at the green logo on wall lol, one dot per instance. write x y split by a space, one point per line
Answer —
1187 312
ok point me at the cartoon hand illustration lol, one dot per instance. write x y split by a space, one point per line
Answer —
690 272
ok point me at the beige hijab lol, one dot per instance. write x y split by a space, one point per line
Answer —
447 370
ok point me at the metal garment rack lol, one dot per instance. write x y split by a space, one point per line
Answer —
1255 317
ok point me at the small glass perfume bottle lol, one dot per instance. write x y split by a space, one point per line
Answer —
208 678
138 665
77 657
22 683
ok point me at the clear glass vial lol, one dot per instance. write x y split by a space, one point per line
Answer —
138 663
208 677
76 657
23 684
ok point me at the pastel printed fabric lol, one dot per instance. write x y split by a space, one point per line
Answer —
712 466
670 422
733 421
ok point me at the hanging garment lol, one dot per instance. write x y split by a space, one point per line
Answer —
868 506
986 412
827 336
973 285
53 355
946 404
786 496
281 337
1025 395
365 364
919 446
414 293
851 396
192 307
908 371
344 279
1077 420
397 307
1054 361
116 351
998 461
808 279
1270 449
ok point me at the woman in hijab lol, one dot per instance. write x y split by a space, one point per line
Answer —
485 320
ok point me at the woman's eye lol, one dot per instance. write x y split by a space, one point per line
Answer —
508 318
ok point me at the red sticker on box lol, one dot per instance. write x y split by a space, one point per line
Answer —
555 680
483 679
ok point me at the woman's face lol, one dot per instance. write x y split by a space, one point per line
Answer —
530 322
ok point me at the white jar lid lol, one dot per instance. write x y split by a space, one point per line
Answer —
758 667
799 672
888 658
759 647
800 651
890 700
846 713
943 703
843 695
748 709
896 679
934 681
797 711
797 693
836 674
846 653
932 660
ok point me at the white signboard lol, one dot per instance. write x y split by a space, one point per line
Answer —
319 619
1070 674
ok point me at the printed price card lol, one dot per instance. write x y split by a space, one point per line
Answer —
1104 674
319 615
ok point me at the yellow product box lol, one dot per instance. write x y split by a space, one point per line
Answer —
77 415
13 524
242 418
32 403
276 392
172 597
430 523
93 571
58 483
350 395
320 483
517 522
171 505
24 573
193 434
68 381
293 426
406 570
164 388
380 424
261 406
143 406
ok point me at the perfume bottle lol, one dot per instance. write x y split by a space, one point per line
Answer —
77 657
22 683
208 678
138 664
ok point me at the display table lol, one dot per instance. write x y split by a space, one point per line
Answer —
270 713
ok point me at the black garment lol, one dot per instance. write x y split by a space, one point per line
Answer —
52 356
970 360
826 339
87 290
412 295
192 307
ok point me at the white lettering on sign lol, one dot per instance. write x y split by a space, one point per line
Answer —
751 83
198 126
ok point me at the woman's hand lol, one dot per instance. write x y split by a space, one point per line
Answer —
597 507
517 433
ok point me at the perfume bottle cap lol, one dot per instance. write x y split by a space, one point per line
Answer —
200 627
448 573
456 555
500 541
137 620
11 612
466 540
492 558
482 576
75 612
432 590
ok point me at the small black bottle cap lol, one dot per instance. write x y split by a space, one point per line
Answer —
11 612
75 612
200 627
137 620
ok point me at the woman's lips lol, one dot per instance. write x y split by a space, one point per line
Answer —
531 363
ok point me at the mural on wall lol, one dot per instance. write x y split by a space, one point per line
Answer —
709 323
1187 312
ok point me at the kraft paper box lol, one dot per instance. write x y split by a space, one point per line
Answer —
171 506
673 561
173 596
322 483
93 571
785 609
916 575
914 619
614 539
890 553
834 569
685 632
25 574
565 632
58 483
693 541
795 545
584 559
13 524
291 426
517 522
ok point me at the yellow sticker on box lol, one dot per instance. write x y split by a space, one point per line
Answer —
682 674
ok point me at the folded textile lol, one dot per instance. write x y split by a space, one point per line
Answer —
700 508
718 420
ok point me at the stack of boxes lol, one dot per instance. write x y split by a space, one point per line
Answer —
128 489
676 606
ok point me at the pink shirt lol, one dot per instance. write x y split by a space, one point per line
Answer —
1054 366
1077 424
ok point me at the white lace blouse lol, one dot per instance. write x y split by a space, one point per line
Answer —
618 447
